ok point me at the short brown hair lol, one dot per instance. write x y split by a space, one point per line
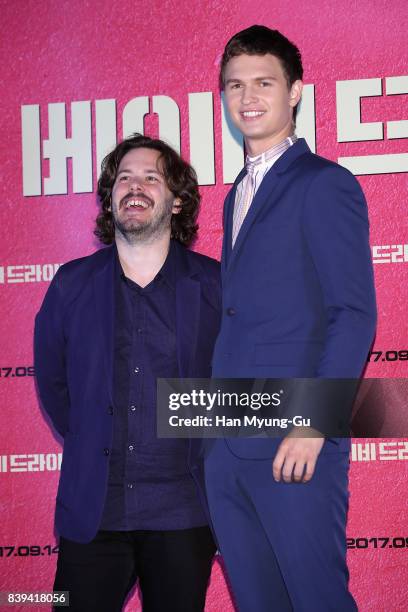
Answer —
180 177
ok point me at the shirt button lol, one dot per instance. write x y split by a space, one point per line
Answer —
110 410
130 447
231 312
139 330
106 451
133 407
136 370
130 485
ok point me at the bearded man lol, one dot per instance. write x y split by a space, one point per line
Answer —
144 307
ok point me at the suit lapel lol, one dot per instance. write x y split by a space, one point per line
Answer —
263 197
228 220
263 194
104 290
188 300
187 320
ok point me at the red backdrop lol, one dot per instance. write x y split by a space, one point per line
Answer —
79 74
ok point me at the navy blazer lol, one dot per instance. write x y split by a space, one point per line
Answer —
298 287
73 346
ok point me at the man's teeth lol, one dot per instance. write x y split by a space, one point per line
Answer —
253 113
136 203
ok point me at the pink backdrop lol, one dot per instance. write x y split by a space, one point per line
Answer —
98 57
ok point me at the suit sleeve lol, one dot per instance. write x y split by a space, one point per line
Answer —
337 234
49 358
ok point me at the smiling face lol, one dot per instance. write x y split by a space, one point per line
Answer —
259 100
142 204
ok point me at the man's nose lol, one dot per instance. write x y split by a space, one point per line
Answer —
248 95
136 184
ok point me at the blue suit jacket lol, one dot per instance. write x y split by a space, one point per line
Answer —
74 366
298 289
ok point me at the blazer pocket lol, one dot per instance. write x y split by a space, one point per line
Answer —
287 353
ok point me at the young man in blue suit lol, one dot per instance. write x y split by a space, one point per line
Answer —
110 325
298 301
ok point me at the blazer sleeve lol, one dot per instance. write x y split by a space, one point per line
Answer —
49 357
336 230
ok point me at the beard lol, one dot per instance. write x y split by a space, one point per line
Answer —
144 231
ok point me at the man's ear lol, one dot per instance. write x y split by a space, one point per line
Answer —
295 93
177 206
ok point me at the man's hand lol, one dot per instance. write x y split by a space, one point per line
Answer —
296 458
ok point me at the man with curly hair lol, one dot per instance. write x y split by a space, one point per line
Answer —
144 307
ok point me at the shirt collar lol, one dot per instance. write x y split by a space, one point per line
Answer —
273 152
167 271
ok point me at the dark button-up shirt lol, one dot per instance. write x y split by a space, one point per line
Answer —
150 486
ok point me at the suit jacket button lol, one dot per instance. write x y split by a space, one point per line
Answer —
231 312
110 410
106 451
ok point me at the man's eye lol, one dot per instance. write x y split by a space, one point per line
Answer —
151 179
265 83
236 86
123 178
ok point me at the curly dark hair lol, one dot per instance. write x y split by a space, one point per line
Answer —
260 40
180 177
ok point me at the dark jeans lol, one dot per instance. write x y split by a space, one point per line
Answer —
172 567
